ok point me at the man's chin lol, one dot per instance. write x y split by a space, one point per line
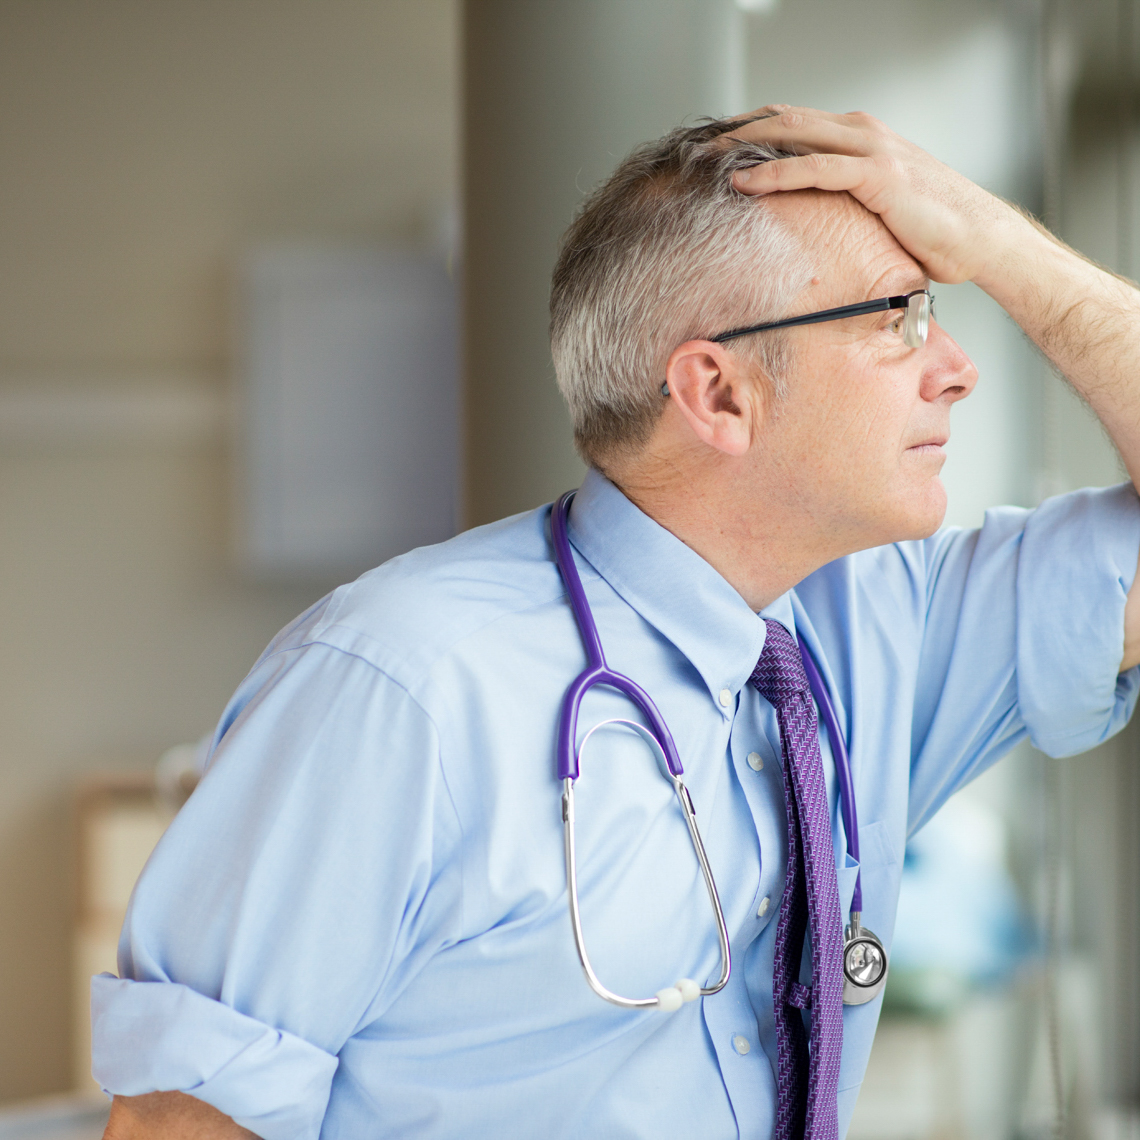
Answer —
920 517
903 517
930 514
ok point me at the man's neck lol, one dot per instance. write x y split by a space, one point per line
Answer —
751 539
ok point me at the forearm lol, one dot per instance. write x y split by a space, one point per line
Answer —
170 1116
1085 319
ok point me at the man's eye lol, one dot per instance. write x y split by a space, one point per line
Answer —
896 326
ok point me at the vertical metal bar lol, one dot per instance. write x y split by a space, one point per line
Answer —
1127 870
1053 115
1126 989
1053 842
1053 123
1125 33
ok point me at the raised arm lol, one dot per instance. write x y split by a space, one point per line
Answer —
169 1116
1085 319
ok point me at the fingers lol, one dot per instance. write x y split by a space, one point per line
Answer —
774 109
803 130
806 136
821 171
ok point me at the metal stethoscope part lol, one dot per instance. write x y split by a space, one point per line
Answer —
864 963
864 957
686 989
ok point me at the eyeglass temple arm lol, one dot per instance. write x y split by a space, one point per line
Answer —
882 304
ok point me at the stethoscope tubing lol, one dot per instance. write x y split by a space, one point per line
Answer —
842 766
598 672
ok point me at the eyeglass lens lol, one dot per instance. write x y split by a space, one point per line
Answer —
917 322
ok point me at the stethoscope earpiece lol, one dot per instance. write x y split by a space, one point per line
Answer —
670 999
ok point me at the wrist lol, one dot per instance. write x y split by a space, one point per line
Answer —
1019 252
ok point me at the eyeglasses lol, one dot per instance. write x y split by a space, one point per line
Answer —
918 307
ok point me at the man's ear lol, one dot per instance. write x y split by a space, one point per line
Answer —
719 402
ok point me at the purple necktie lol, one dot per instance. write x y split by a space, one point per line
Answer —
808 1073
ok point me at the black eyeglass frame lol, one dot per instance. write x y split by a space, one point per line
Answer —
879 305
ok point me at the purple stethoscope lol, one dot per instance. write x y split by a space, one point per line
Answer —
864 957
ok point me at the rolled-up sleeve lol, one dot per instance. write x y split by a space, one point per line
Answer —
1023 633
288 903
1078 559
161 1035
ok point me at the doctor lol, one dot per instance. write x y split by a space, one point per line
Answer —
358 925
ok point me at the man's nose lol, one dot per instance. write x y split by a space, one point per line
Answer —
949 374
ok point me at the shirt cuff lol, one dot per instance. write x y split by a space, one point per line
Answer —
160 1036
1080 548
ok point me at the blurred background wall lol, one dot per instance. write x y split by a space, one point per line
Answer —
144 147
147 147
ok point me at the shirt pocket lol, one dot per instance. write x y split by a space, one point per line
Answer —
880 866
876 852
875 847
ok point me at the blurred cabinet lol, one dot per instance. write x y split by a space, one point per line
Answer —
119 819
78 1116
348 436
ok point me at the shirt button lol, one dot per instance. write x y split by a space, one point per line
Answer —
765 902
755 761
741 1044
725 698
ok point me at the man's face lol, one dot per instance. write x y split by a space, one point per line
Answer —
860 437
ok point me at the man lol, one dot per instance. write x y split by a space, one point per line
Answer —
358 925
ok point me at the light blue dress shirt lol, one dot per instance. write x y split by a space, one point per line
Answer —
357 926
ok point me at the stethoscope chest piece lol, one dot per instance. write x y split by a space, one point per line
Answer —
864 963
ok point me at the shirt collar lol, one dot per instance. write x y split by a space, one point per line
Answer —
671 586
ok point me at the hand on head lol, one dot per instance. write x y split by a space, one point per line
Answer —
950 226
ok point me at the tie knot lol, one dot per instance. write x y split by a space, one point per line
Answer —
779 674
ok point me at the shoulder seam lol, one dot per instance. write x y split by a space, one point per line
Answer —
387 647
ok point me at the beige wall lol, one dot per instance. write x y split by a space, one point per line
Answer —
144 145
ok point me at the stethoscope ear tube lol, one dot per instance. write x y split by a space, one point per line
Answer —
671 997
657 735
864 956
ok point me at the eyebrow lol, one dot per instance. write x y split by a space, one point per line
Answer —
907 284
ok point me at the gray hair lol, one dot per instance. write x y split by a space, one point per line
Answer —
666 251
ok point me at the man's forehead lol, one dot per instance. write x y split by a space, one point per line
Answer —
846 242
